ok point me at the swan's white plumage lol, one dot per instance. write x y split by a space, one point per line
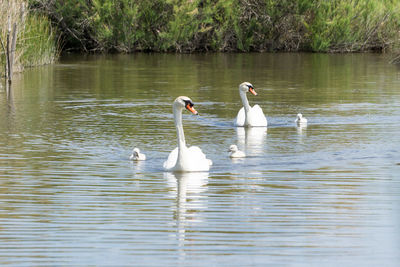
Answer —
234 152
300 120
254 116
193 159
240 118
171 160
136 155
184 158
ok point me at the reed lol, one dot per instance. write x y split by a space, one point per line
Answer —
35 42
346 26
37 45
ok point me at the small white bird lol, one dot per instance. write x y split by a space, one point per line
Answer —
235 152
136 155
300 120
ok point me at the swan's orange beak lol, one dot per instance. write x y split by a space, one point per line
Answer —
191 109
251 89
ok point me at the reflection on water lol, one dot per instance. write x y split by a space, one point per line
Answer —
189 198
138 165
326 194
252 139
9 104
301 129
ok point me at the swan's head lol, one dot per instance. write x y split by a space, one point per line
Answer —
299 116
185 102
136 151
233 148
246 87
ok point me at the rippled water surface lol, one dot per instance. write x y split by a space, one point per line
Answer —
325 194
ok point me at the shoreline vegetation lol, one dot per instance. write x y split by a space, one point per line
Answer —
35 38
189 26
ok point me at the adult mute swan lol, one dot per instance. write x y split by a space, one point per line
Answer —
300 120
249 116
183 158
234 152
136 155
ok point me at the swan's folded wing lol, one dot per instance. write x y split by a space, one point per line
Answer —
172 158
196 151
197 155
240 118
257 116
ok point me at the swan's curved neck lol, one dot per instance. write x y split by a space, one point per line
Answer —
245 102
179 127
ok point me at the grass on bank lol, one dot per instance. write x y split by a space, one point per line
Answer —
36 39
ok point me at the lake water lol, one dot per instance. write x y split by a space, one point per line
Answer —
323 195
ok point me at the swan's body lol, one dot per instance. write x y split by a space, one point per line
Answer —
136 155
185 158
234 152
247 115
300 120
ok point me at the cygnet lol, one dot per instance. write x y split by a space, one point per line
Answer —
136 155
234 152
300 120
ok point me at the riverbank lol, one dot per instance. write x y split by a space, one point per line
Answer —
225 25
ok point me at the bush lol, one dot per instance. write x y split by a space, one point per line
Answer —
225 25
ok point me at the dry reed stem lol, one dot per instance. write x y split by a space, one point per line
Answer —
11 13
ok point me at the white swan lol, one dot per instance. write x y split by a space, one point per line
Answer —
235 152
136 155
183 158
249 116
300 120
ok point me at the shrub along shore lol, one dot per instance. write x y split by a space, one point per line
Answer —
225 25
186 26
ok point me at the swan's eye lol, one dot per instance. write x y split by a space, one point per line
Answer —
188 103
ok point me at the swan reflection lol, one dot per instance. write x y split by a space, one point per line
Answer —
138 166
188 187
252 139
301 129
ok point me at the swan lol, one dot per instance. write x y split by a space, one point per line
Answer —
235 152
182 158
136 155
249 116
300 120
